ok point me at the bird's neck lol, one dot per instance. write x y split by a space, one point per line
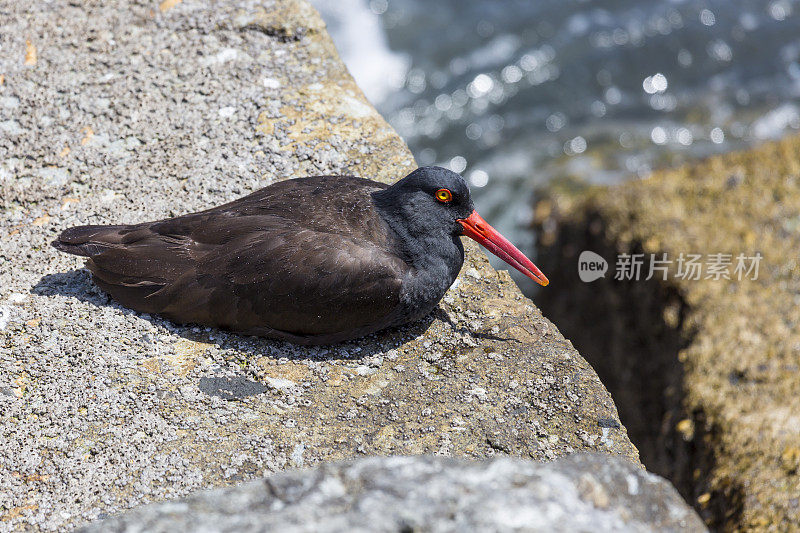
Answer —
434 254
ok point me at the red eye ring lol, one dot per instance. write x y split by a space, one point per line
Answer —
444 195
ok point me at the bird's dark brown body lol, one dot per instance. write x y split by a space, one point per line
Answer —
312 260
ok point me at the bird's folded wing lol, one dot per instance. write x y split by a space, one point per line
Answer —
249 272
304 281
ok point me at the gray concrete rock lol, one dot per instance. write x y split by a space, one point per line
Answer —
133 110
584 492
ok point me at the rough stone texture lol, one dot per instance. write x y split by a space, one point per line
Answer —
131 111
706 372
579 493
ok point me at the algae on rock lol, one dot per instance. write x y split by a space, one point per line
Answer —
706 372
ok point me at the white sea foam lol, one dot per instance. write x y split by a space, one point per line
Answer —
358 34
773 124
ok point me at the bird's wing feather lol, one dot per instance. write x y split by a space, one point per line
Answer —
293 280
259 261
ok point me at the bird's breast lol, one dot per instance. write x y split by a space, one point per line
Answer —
428 281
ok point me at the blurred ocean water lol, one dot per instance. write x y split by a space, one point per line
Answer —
513 93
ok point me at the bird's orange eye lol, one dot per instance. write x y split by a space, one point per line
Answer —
444 195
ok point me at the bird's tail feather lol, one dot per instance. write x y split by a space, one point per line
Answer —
87 241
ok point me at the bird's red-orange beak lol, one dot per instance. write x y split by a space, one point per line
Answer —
478 229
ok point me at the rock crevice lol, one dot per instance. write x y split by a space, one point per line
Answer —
704 368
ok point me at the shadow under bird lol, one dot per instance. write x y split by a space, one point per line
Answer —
314 260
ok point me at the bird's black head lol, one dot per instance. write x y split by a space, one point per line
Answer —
432 203
430 200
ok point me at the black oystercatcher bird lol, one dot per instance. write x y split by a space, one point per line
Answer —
313 260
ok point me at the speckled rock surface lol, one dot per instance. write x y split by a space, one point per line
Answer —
136 111
710 368
579 493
